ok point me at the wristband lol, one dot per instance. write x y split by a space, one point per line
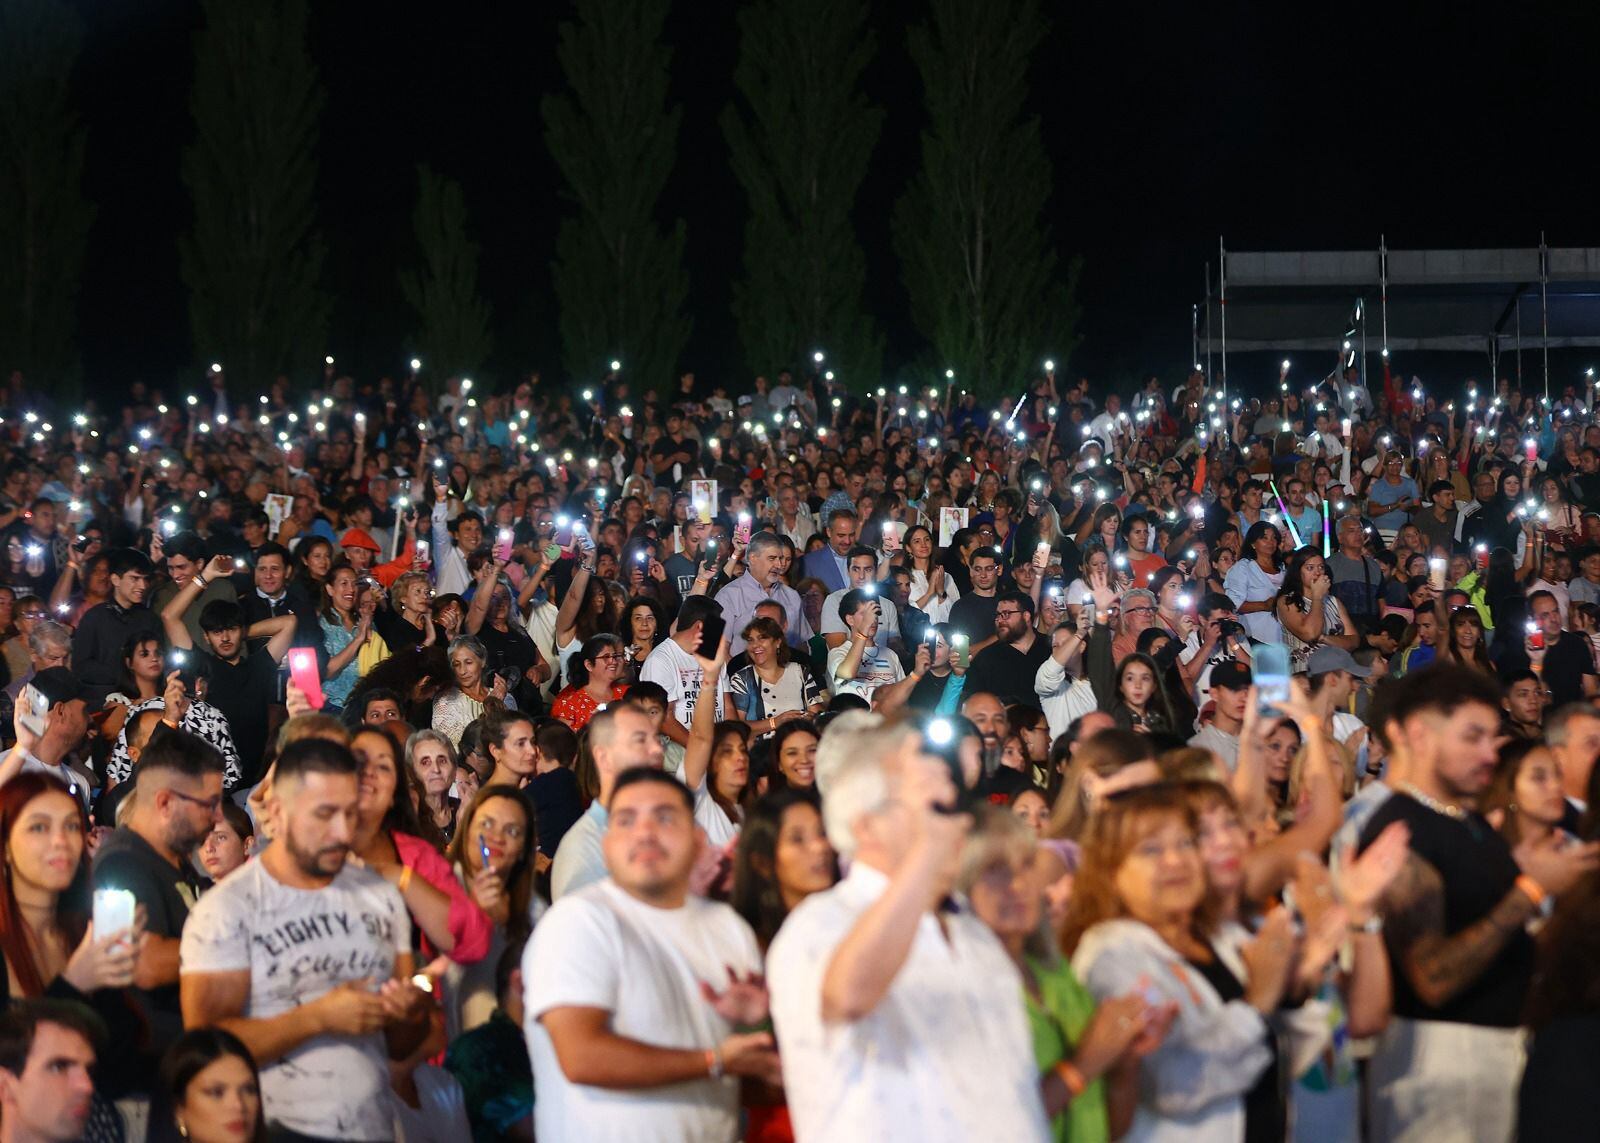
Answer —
1532 888
200 580
1071 1077
1372 926
713 1063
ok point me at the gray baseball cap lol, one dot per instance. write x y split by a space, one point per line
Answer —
1329 658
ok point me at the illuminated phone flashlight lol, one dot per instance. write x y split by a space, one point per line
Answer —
1185 601
1099 493
639 557
869 589
169 527
1120 560
563 521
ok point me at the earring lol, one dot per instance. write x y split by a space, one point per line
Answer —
183 1129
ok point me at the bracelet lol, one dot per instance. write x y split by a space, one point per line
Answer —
405 879
1372 926
200 580
1532 888
713 1063
1071 1077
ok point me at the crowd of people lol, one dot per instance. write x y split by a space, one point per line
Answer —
407 762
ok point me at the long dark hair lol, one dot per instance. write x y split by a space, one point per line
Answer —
71 906
1257 530
130 645
1293 590
195 1051
1566 983
464 855
756 896
401 816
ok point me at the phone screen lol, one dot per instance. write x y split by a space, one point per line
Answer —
711 633
1270 670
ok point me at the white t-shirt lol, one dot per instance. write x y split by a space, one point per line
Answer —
678 673
601 948
878 668
888 618
298 944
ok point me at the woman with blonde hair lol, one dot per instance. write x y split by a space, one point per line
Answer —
1108 763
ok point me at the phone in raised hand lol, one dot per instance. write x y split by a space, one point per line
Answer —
305 675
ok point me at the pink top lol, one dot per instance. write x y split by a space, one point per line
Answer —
470 926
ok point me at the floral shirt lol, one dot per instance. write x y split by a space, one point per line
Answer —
202 720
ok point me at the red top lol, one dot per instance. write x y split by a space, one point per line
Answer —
575 707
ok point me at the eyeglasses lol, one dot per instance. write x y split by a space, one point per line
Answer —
607 655
1136 610
1007 614
210 805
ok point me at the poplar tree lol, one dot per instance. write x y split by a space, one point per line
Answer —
619 273
977 258
800 139
454 335
253 262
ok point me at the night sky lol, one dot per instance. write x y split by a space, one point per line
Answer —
1167 126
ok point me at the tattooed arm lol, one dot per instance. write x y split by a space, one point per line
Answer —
1436 965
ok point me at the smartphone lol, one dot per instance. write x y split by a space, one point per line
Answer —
502 547
483 850
1041 552
563 533
33 710
960 651
305 675
1535 636
113 912
741 530
708 553
424 550
184 663
1270 670
711 632
1436 570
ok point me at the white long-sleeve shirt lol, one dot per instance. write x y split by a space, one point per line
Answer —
1062 697
450 572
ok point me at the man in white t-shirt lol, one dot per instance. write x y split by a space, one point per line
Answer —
860 666
1230 691
673 666
307 959
629 1036
1336 670
861 566
620 737
898 1019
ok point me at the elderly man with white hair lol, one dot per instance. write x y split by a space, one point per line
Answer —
899 1017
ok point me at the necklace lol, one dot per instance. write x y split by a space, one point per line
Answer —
1438 807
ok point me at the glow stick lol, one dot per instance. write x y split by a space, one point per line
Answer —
1327 532
1283 510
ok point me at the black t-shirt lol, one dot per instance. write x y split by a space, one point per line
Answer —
973 616
1477 869
1565 664
127 861
929 690
557 805
1002 670
1266 1115
244 692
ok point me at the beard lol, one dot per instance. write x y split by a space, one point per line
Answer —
324 862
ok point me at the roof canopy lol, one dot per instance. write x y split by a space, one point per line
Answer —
1468 300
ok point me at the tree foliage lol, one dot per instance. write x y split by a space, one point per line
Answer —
977 258
253 262
619 275
44 216
454 337
800 141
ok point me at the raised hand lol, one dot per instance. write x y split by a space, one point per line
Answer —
743 1002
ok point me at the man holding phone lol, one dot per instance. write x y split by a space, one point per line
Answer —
762 582
674 668
242 684
179 785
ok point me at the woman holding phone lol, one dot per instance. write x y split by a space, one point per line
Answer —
494 855
146 680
